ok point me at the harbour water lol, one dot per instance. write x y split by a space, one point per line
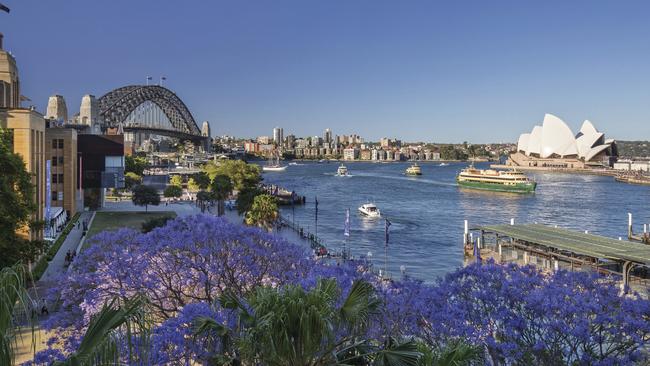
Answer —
427 212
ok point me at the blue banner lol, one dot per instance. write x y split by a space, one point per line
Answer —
48 198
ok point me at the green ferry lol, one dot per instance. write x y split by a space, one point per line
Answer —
493 180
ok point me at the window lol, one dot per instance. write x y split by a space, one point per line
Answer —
60 178
60 196
54 161
54 143
55 195
60 160
60 143
54 176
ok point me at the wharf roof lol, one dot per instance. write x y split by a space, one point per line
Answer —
575 242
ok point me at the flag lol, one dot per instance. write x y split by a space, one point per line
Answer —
387 226
346 229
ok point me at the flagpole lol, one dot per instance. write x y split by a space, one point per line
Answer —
346 232
316 221
386 250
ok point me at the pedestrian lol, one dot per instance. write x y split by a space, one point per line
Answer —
44 310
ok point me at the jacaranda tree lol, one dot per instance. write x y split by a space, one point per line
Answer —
242 279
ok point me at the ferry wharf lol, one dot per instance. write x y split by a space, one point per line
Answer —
553 248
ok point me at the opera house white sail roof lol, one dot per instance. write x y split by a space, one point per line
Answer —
555 138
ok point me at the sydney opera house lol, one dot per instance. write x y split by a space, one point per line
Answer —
553 145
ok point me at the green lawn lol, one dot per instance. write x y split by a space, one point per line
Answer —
116 220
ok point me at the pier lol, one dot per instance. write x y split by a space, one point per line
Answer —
284 196
553 248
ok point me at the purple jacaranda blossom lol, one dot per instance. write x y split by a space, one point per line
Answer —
519 315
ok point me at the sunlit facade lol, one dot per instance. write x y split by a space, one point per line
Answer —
554 145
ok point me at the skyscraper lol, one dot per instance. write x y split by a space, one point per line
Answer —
278 135
56 109
327 136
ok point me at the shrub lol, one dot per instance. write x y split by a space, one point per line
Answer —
155 222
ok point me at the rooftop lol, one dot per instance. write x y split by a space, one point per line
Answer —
575 242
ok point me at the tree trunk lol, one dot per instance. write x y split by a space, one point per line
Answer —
220 209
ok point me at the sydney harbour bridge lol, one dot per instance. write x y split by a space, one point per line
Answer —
151 109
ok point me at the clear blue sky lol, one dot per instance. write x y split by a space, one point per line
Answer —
479 71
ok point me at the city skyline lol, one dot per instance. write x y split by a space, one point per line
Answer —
420 71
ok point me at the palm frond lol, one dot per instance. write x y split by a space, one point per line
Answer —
101 342
458 354
398 354
358 305
14 301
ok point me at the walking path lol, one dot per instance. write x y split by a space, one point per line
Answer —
57 265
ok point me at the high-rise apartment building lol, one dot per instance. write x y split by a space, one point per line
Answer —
278 135
327 136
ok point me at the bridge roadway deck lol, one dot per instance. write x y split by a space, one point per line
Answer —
575 242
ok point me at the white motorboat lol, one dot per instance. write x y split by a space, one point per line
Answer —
444 164
370 210
342 171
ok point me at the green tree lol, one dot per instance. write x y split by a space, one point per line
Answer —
240 173
135 164
263 211
16 205
291 326
192 185
131 180
144 195
176 180
245 198
221 188
202 179
204 198
173 192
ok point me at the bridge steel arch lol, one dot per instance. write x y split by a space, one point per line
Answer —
116 105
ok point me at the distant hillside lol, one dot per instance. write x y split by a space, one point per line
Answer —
633 149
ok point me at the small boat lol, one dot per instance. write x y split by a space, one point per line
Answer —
493 180
293 163
414 170
274 166
443 164
370 210
342 171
